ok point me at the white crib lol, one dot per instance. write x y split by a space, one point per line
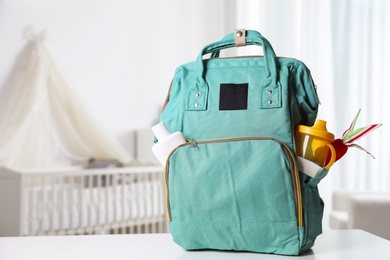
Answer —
82 201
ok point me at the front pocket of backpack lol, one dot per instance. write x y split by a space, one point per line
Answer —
234 194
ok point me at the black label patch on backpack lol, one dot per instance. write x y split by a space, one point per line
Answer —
233 96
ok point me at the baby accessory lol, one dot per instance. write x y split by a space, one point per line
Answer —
235 183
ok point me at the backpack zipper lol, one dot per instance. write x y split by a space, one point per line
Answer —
287 151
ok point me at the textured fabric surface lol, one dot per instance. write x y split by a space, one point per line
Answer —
235 185
222 196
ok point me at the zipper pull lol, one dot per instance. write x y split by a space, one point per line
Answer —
318 98
194 144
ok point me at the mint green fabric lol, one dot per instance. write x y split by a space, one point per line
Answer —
198 82
312 208
221 197
238 195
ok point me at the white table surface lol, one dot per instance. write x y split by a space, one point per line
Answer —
332 245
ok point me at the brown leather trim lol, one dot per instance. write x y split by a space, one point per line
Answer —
239 36
167 98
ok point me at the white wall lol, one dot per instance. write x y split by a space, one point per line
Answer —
119 54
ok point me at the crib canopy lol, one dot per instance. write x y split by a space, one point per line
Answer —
43 124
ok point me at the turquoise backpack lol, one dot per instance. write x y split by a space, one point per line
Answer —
235 184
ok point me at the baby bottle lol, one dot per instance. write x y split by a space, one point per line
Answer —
314 143
166 142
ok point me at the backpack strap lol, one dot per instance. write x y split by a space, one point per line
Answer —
198 94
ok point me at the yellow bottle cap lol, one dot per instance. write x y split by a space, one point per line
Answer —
317 130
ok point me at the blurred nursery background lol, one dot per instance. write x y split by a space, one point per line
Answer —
82 82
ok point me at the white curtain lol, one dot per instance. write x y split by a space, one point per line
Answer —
42 122
361 42
346 44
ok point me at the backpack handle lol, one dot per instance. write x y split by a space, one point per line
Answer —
198 94
216 54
